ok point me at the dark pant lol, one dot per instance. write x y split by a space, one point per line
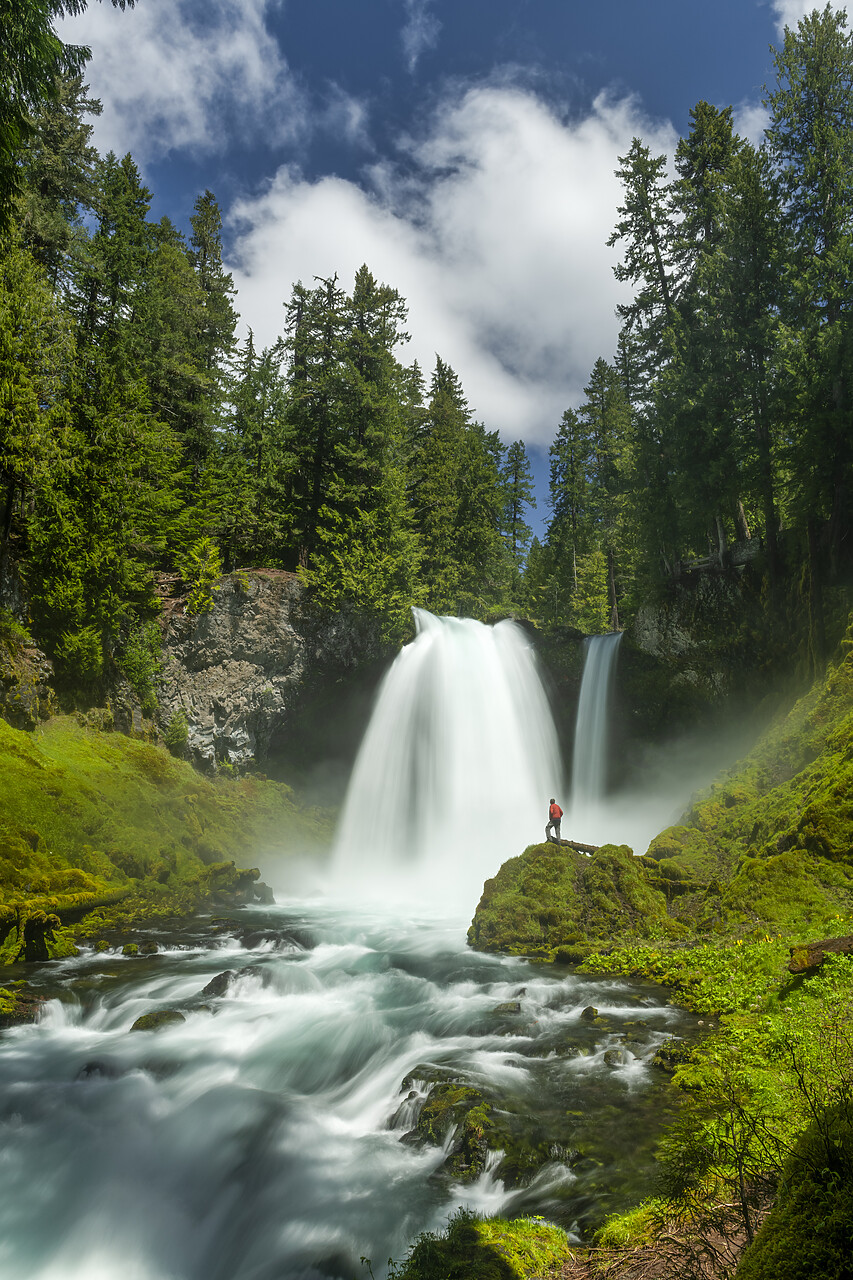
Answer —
556 828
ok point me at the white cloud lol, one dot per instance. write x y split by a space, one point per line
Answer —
789 12
169 79
497 242
750 120
420 32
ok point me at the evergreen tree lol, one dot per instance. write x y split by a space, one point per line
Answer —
517 481
57 170
810 139
36 350
316 328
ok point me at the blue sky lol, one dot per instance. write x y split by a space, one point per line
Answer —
464 149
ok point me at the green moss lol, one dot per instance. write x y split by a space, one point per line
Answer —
158 1019
474 1248
809 1233
99 830
554 901
633 1230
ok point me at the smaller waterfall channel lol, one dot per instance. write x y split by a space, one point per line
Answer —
273 1133
589 761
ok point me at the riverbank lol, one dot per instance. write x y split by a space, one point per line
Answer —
105 832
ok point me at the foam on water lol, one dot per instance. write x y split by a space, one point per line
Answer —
262 1136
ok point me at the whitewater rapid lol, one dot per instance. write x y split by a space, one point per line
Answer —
264 1137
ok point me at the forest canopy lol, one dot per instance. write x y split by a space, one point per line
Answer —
140 437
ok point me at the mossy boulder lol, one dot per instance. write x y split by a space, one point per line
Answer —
552 901
18 1005
454 1107
101 831
473 1248
809 1233
158 1019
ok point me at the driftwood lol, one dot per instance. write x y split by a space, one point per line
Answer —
810 955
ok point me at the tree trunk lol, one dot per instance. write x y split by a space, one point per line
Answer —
741 522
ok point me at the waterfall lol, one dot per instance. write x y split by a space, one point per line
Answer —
457 764
589 764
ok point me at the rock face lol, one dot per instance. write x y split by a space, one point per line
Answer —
26 693
238 672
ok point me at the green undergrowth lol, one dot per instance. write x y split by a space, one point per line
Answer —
771 841
768 1104
474 1248
98 830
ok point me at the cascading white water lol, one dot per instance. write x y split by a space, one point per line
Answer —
589 764
457 764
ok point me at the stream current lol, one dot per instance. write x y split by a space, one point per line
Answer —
264 1138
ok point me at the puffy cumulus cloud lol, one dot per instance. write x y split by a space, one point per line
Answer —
750 121
494 231
789 12
420 32
170 77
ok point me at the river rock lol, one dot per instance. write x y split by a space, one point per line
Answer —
220 984
509 1006
158 1019
589 1014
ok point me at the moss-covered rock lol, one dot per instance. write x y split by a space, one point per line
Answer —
18 1004
157 1019
809 1233
552 902
99 831
473 1248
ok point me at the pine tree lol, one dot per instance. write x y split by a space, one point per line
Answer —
517 480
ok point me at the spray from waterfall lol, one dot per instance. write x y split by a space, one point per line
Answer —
456 767
589 764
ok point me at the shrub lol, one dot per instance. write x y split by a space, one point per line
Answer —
177 732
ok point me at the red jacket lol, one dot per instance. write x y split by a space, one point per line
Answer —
555 813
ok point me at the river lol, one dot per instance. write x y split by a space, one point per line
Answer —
264 1136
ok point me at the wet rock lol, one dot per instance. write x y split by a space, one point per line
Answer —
158 1019
149 948
509 1006
589 1014
264 894
614 1058
99 1069
220 984
463 1110
671 1055
130 949
18 1006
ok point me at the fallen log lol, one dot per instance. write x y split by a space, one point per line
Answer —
810 955
575 844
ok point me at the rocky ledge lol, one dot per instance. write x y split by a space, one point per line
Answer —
238 672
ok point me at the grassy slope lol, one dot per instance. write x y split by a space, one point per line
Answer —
102 829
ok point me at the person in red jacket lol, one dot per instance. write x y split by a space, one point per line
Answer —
555 814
